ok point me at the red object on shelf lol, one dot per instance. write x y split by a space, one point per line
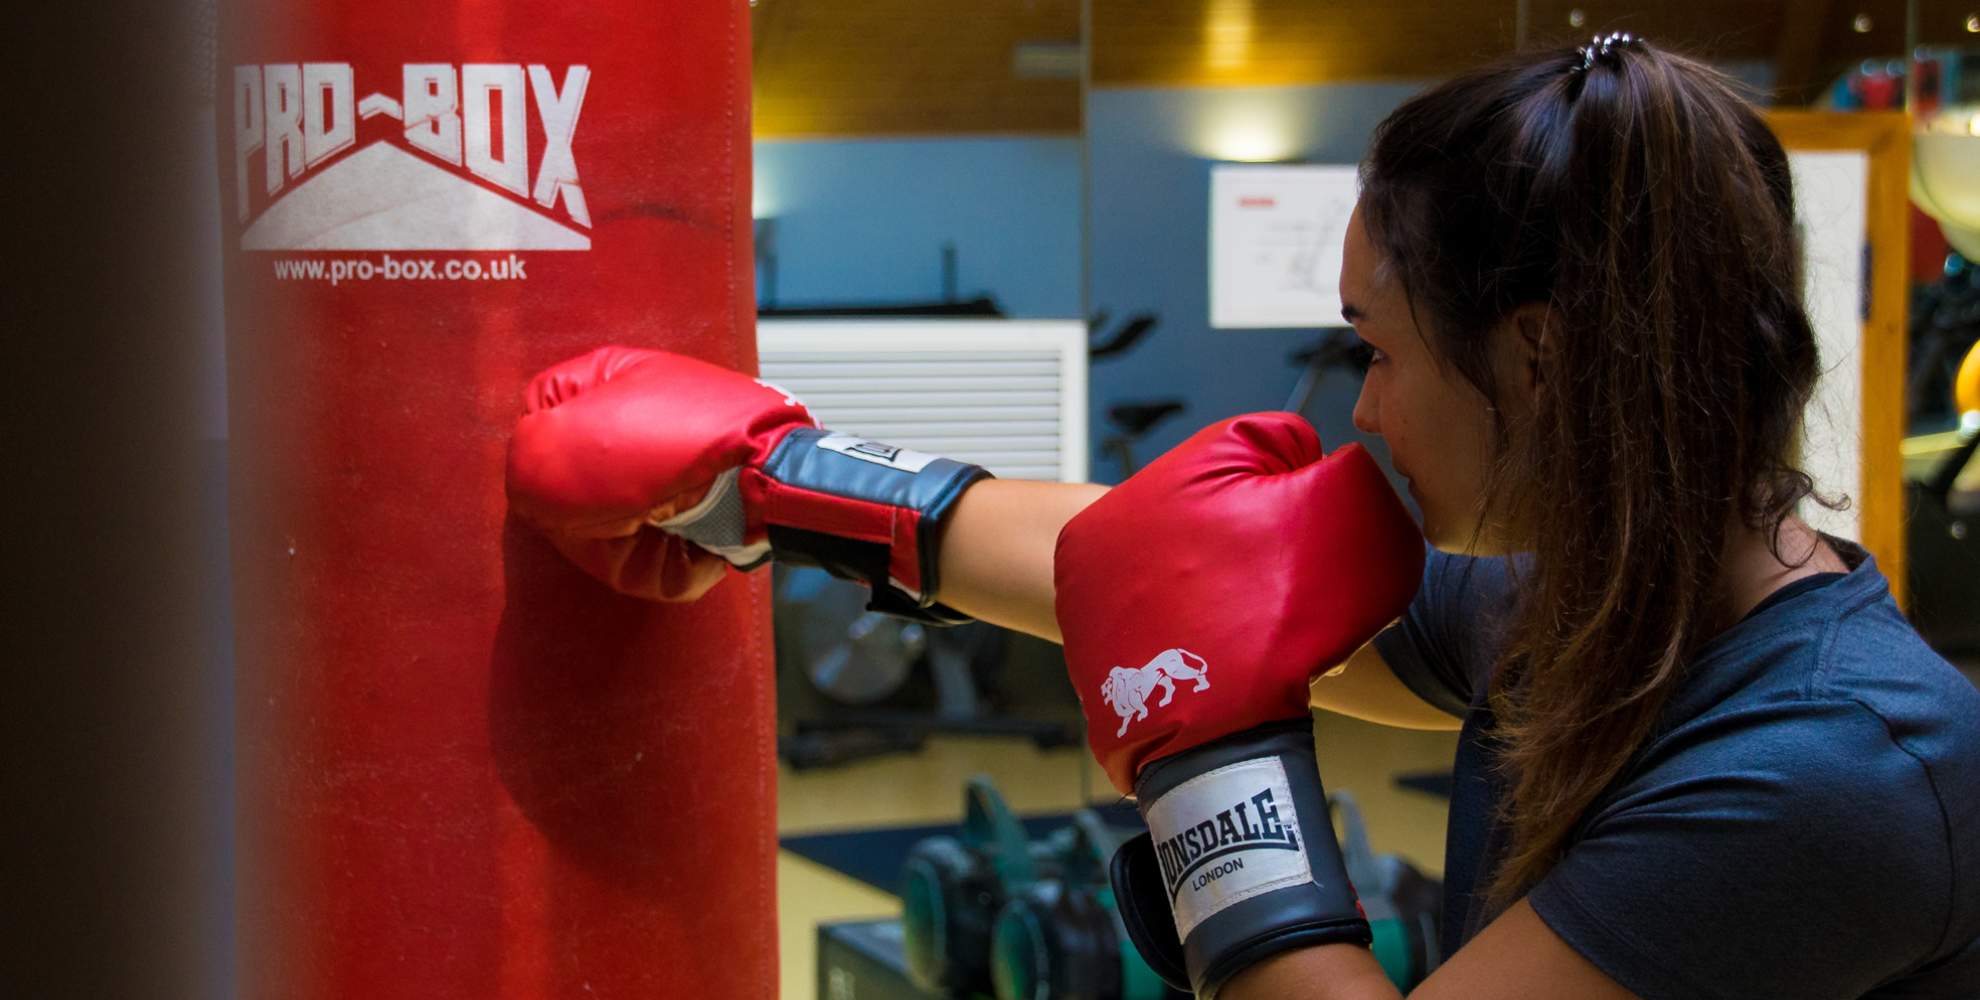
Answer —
1928 248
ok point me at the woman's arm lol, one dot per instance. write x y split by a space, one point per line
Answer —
1516 957
1367 688
996 556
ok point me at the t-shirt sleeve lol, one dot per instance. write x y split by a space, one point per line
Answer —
1805 855
1443 646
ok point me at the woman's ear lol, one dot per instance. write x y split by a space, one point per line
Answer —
1524 346
1536 337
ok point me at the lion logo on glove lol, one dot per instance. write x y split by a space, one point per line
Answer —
1126 689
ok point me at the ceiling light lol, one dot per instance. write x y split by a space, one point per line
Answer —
1253 141
1861 24
1576 18
1246 126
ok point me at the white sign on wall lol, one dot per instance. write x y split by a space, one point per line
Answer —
1275 244
1831 202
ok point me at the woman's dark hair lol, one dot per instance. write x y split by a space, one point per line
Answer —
1646 205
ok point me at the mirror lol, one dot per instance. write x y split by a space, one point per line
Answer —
919 234
1943 373
1209 124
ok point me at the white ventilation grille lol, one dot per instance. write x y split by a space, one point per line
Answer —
1009 395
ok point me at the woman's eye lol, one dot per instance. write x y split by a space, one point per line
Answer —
1362 355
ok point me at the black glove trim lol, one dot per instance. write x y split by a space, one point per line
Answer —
931 490
1153 934
1284 937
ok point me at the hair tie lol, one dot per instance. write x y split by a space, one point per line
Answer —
1605 48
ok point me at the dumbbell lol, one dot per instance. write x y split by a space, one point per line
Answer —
953 887
1061 938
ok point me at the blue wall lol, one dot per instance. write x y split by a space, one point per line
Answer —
864 221
1152 150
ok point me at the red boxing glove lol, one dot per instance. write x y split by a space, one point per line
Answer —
655 472
1198 598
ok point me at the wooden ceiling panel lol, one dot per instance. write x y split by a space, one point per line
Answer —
1267 42
899 67
1263 42
893 67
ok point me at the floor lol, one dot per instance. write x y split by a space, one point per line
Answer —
926 787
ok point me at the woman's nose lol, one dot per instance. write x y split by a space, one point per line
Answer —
1364 411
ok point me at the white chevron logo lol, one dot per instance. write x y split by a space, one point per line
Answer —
385 198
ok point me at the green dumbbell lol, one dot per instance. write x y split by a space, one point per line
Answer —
953 887
1061 938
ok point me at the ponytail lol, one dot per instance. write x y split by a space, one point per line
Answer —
1637 196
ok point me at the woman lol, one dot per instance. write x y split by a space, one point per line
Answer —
1702 752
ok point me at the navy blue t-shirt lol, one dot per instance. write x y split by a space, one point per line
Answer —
1803 822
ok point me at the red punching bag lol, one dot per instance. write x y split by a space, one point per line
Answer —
465 768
